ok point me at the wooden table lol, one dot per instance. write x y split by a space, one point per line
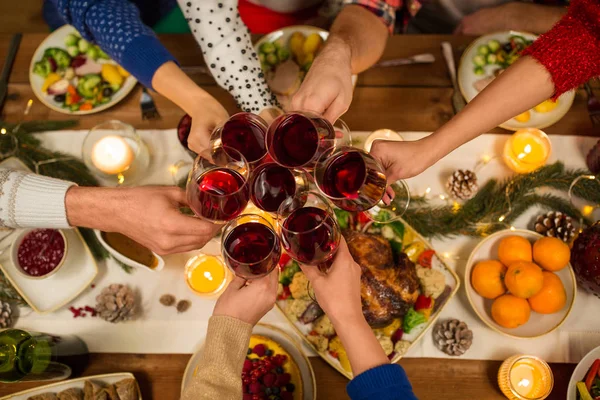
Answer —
408 98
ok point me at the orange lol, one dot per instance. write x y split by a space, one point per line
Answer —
551 253
487 279
552 298
514 248
510 311
524 279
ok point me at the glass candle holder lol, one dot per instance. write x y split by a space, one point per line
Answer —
381 134
525 378
527 150
115 153
206 275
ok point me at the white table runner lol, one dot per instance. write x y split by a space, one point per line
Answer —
161 330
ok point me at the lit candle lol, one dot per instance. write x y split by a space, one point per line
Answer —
112 155
381 134
525 378
206 275
527 150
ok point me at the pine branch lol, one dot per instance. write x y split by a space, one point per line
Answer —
8 293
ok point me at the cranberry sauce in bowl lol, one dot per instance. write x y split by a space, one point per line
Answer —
39 253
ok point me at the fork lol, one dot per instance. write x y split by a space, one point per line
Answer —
458 101
148 107
593 105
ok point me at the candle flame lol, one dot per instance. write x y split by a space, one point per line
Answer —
3 131
502 218
524 383
208 275
588 210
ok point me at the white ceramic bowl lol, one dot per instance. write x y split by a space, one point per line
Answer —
538 324
15 248
128 261
580 371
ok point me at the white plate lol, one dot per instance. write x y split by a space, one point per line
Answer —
580 371
538 324
286 341
56 39
76 274
285 34
107 379
466 79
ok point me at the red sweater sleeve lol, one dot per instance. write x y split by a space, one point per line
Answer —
570 51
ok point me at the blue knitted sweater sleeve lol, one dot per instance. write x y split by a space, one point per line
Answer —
385 382
116 26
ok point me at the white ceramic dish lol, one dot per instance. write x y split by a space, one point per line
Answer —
580 372
15 248
56 39
538 324
466 79
107 379
128 261
286 341
47 295
285 34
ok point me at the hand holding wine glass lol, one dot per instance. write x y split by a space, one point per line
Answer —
403 160
248 302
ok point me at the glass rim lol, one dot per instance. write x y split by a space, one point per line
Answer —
246 179
128 128
335 153
543 363
328 210
230 227
217 132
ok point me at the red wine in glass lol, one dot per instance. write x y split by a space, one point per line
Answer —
219 194
245 132
310 235
352 179
251 250
297 139
270 185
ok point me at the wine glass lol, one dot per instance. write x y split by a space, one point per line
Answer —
245 132
355 181
297 139
250 246
217 186
271 184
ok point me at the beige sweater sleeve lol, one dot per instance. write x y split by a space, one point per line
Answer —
219 372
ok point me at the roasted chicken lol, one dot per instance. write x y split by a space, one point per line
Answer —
388 288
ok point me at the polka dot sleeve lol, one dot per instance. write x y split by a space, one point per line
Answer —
228 51
116 26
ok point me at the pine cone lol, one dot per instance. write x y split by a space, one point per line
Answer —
116 303
5 315
453 337
555 224
593 159
462 184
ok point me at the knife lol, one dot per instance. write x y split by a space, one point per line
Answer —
417 59
458 102
8 63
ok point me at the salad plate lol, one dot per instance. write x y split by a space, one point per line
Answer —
580 374
489 55
280 338
72 76
78 383
394 258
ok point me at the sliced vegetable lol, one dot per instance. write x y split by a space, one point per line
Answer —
92 52
83 45
398 228
589 378
42 68
71 40
584 394
69 73
494 45
283 54
478 70
414 251
412 319
267 48
491 59
88 85
426 257
272 59
286 276
59 87
479 60
102 54
110 73
387 232
50 79
62 58
73 51
124 73
423 302
483 50
343 217
285 294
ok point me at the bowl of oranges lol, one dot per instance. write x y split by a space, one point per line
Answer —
520 283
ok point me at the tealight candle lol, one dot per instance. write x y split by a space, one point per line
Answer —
206 275
381 134
525 378
527 150
112 155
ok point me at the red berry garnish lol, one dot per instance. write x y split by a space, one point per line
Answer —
286 396
283 379
254 388
246 381
397 336
256 397
247 365
269 380
247 396
259 349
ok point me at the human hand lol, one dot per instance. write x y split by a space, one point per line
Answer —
338 290
248 302
490 19
327 88
403 160
149 215
206 117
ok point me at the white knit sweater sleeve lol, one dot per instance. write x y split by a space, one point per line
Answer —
32 201
228 51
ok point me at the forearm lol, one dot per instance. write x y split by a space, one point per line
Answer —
363 349
362 33
95 207
521 87
219 372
